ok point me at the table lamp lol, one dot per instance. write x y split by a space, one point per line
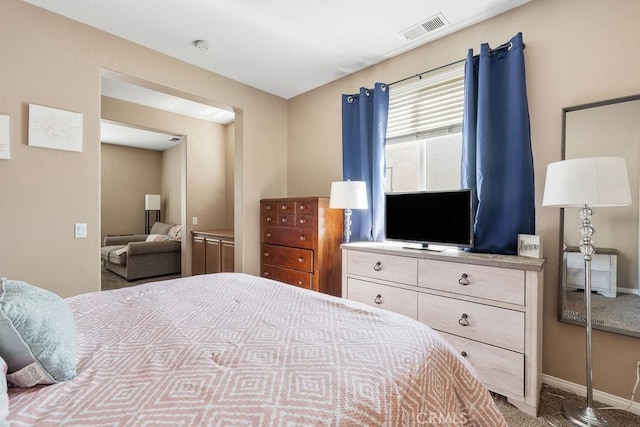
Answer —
348 195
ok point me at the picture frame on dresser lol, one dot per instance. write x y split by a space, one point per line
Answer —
489 307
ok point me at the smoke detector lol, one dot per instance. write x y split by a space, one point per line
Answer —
201 44
429 25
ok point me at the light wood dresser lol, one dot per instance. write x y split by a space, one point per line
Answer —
300 243
489 307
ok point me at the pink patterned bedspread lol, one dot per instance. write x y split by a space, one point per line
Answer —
233 349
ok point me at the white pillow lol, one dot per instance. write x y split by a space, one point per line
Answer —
175 232
157 237
4 398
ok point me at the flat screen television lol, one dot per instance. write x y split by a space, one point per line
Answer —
430 218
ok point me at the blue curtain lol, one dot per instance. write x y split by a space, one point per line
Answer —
496 147
364 129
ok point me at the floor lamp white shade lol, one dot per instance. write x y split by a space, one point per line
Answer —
586 183
151 202
348 195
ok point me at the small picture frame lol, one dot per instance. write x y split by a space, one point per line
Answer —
529 246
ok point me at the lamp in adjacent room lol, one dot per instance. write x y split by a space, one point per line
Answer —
151 203
348 195
586 183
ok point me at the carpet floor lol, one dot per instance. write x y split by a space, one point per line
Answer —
550 411
551 400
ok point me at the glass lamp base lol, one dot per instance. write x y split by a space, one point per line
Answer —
586 417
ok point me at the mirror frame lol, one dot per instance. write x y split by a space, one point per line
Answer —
566 110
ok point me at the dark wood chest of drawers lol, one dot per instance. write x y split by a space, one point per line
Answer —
300 243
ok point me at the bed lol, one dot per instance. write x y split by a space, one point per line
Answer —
234 349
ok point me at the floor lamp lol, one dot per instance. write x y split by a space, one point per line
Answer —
151 203
348 195
586 183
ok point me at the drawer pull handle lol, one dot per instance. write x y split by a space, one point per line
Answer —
303 207
464 281
284 207
463 354
268 234
378 266
300 282
378 299
268 219
265 274
284 219
303 238
463 320
266 254
268 208
300 259
302 221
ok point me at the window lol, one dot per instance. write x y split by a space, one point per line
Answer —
424 132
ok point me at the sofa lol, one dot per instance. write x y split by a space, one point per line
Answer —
139 256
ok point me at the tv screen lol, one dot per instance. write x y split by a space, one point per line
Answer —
430 217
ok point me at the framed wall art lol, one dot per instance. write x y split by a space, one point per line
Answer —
53 128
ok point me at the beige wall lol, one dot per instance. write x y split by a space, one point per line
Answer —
577 51
127 174
53 61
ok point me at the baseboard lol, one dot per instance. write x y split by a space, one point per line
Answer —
633 291
599 396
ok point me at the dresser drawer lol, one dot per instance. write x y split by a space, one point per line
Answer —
498 284
296 237
298 259
305 221
305 207
384 267
498 369
492 325
297 278
269 208
398 300
287 207
269 219
286 220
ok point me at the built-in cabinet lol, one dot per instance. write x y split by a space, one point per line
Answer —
300 243
212 251
489 307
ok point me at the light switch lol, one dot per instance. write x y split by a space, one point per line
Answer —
194 220
80 230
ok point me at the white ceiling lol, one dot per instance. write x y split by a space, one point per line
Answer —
284 47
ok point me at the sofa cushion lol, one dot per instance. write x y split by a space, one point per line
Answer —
114 254
157 237
38 337
160 228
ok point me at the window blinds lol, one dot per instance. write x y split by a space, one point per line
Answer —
431 105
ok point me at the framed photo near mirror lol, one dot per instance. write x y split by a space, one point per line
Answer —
605 128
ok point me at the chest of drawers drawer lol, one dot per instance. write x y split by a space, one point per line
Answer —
492 325
498 368
293 277
401 301
288 236
298 259
498 284
383 267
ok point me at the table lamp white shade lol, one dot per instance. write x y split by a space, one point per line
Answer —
591 181
152 202
348 195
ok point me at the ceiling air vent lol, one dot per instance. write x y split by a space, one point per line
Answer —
431 24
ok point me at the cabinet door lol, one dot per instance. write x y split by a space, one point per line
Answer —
198 250
212 256
227 257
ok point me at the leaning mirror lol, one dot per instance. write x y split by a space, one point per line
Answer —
607 128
